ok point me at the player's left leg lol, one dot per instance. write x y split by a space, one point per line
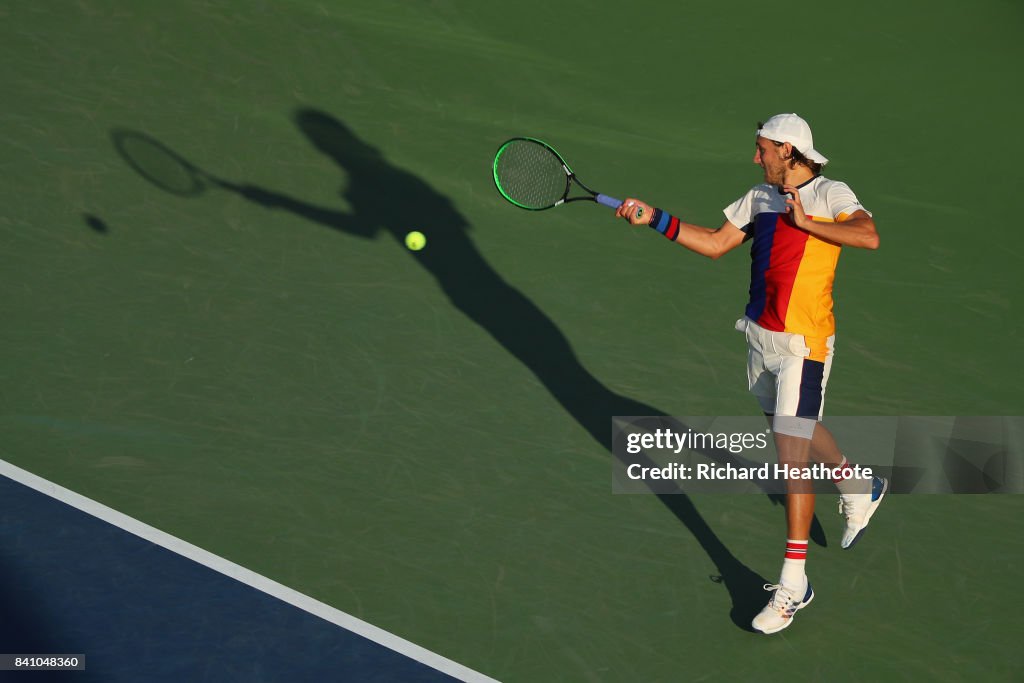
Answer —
858 501
859 498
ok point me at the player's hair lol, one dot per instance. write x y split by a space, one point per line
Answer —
797 156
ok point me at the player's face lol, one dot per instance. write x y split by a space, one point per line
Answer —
769 158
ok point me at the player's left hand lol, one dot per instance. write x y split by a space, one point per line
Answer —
796 207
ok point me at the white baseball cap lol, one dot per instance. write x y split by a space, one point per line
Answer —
794 130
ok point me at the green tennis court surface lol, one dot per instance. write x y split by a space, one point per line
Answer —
421 440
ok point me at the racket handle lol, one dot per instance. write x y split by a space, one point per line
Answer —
610 202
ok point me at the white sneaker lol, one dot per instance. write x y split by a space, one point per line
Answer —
858 508
778 613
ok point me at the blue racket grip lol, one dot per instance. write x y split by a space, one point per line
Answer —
610 202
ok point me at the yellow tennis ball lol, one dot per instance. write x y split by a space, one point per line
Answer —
415 240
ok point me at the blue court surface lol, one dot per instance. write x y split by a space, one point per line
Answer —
72 583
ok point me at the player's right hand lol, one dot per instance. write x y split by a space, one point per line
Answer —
635 211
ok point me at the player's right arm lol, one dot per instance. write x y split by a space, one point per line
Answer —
709 242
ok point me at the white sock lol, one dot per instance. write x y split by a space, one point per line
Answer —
847 483
793 576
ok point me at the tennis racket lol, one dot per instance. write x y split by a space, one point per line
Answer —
532 175
162 167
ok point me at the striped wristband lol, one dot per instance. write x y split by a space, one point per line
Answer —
665 223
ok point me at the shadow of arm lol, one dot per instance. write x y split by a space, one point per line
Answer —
331 218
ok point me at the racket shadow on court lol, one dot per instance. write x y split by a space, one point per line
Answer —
386 200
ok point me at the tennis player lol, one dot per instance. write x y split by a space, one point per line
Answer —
798 220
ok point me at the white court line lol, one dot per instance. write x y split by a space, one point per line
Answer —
240 573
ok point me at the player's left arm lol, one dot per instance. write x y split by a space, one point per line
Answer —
856 230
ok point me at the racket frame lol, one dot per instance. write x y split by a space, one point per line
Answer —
570 178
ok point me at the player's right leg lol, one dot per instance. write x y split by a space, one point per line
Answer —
781 607
767 356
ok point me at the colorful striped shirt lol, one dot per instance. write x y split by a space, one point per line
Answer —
792 271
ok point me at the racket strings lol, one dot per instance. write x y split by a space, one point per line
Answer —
530 175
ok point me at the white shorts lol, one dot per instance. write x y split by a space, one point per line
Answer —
783 379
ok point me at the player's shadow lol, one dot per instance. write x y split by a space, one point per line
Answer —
387 199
